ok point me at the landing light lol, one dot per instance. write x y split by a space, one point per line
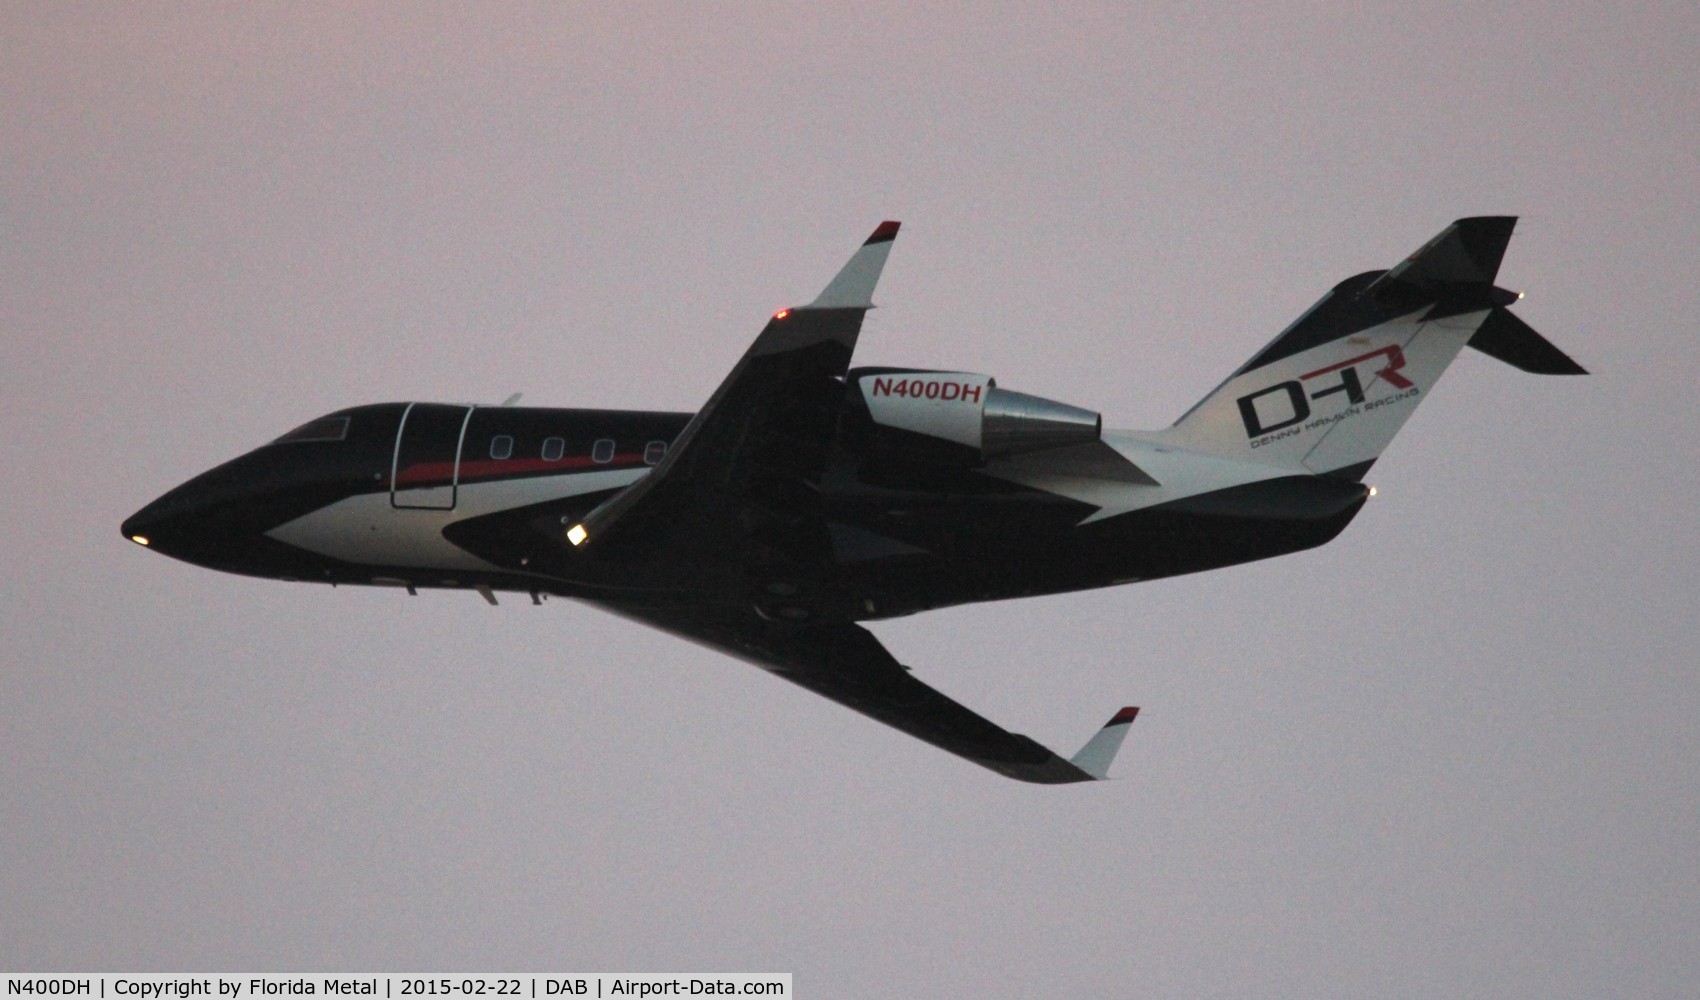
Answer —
576 534
1372 491
139 539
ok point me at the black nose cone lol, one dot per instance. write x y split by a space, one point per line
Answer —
205 521
138 528
168 524
219 519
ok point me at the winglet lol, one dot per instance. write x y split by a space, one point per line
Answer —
1094 758
853 288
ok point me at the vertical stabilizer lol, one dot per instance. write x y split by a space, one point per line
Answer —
1329 393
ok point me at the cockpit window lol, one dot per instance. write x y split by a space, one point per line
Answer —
322 429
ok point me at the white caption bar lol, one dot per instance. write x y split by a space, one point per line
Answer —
398 986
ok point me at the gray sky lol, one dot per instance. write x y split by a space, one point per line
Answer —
1452 753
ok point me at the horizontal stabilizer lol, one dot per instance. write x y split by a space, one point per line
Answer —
1095 757
1516 343
1468 252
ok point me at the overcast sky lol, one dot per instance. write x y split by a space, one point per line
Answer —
1453 753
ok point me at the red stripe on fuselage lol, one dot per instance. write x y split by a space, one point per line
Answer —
443 473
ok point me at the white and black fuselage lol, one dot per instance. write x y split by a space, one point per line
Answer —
434 495
806 496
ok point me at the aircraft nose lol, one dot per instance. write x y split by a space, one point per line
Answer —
218 519
193 521
137 528
160 524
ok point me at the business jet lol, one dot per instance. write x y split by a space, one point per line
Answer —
807 497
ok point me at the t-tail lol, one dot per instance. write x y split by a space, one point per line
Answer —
1329 393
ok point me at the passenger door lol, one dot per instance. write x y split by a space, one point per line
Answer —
425 471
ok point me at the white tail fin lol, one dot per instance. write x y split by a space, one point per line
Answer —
1329 393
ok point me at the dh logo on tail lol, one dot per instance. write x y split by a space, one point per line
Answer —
1299 402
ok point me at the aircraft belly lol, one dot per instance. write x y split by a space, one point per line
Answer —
367 529
990 551
1173 474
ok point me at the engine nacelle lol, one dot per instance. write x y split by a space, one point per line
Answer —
970 410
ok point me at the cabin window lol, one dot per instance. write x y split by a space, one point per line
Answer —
654 452
501 446
603 451
322 429
553 449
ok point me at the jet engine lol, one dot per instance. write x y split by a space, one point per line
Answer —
967 414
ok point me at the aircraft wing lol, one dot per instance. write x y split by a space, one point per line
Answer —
742 479
846 663
739 494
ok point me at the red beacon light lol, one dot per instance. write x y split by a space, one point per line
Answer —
781 314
